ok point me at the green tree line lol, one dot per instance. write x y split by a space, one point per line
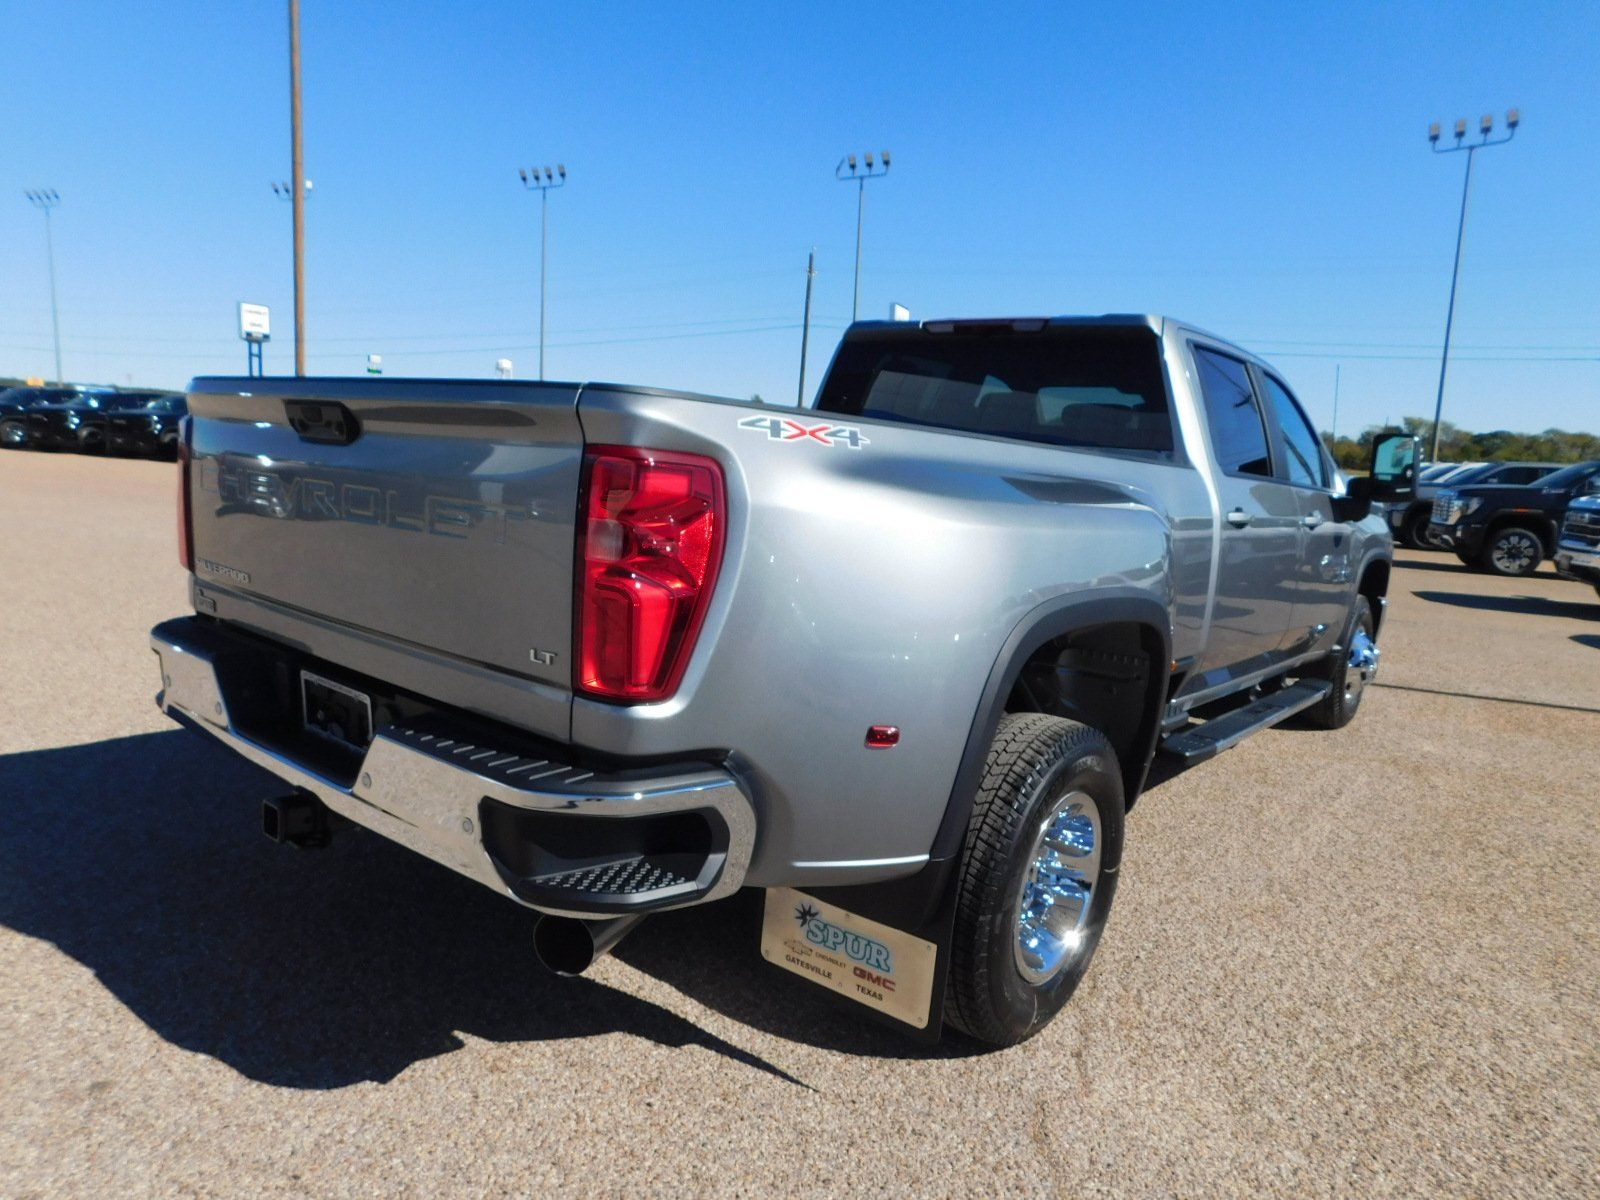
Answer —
1458 445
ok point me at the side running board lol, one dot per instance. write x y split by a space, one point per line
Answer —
1199 742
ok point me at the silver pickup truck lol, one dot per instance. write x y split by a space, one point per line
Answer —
903 659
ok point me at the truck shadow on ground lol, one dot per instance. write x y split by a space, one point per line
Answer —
1536 606
1415 564
141 858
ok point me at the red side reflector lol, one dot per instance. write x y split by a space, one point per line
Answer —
185 518
881 737
649 546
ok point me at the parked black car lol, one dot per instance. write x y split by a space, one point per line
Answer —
17 403
1509 530
77 423
1409 523
150 427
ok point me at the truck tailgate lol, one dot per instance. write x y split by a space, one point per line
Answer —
436 514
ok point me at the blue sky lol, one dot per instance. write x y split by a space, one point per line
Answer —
1261 169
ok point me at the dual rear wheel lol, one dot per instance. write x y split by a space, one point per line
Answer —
1037 876
1039 866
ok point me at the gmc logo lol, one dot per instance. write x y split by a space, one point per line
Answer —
883 982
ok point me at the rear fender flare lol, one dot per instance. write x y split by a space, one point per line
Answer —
1049 621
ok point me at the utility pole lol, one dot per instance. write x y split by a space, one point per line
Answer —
1334 432
285 191
846 172
805 326
543 184
45 200
297 167
1485 128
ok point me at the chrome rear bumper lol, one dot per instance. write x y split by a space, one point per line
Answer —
494 815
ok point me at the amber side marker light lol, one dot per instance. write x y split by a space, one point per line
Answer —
881 737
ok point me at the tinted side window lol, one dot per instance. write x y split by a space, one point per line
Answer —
1238 437
1518 474
1302 448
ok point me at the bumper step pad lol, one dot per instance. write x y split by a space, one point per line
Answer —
629 877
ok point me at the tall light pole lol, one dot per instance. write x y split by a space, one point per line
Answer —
846 172
45 200
544 184
1485 129
297 168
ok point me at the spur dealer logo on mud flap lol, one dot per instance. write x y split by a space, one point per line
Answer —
853 945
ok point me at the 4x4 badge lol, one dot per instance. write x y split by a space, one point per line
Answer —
784 429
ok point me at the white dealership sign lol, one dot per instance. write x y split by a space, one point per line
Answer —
255 322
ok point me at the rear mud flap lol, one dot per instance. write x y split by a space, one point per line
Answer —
882 949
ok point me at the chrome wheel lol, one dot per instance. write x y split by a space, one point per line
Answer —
1363 666
13 434
1058 889
1516 552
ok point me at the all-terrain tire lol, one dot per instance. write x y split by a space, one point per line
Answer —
1415 534
1039 768
1512 551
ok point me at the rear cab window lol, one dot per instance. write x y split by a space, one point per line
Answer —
1098 388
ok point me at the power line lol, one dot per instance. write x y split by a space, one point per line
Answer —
500 345
1430 357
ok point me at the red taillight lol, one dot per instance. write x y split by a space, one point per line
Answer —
185 520
649 544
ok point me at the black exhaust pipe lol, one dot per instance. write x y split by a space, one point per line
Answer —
569 946
298 819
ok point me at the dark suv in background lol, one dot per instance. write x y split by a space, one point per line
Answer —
149 426
1509 530
1409 524
77 423
19 403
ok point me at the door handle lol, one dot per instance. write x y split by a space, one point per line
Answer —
1238 518
1311 520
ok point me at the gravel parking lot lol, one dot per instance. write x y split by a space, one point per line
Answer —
1362 961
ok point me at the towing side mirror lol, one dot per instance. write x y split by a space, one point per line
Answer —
1394 466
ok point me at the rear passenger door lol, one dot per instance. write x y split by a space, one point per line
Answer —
1323 581
1259 535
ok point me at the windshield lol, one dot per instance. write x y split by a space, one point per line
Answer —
1568 476
1097 388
